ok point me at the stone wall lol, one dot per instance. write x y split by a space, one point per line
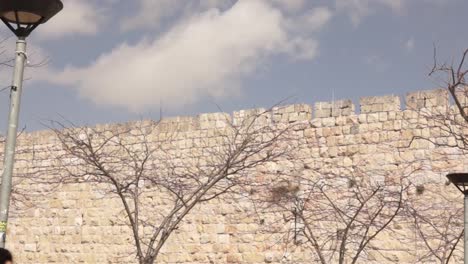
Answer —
75 223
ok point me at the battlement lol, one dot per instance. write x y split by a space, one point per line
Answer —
334 109
300 112
427 99
304 112
375 104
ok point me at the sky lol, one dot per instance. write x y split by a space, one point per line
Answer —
104 61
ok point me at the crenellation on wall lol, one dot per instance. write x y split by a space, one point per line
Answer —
179 124
214 120
292 113
334 109
320 114
39 137
427 99
462 95
375 104
260 115
114 126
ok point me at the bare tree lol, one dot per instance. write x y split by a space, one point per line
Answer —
434 206
137 161
22 197
30 171
337 213
453 78
437 224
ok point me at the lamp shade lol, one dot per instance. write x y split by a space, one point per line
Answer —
23 16
460 180
27 12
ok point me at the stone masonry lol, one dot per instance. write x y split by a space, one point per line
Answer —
75 223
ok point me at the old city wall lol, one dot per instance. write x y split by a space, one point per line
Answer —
75 223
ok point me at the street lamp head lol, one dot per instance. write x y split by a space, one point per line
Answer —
460 180
23 16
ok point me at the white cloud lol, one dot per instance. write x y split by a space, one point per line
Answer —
206 55
151 13
315 19
357 9
215 3
77 17
311 20
290 5
409 44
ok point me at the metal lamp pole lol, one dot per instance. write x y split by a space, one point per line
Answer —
21 17
10 145
460 180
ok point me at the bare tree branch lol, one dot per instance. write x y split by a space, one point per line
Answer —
135 161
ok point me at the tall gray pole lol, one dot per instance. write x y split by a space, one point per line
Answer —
466 230
10 144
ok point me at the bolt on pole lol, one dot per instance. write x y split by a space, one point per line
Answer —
10 144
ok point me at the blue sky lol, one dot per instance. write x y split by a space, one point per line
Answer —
117 60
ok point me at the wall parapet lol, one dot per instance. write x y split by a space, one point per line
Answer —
292 113
299 112
334 109
374 104
427 99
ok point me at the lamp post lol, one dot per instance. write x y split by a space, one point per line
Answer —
21 17
460 180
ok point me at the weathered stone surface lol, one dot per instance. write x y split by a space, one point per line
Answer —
427 99
78 223
334 109
380 104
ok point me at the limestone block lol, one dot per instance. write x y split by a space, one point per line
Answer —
328 122
214 120
334 109
379 104
234 258
462 95
261 116
427 99
292 113
253 257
